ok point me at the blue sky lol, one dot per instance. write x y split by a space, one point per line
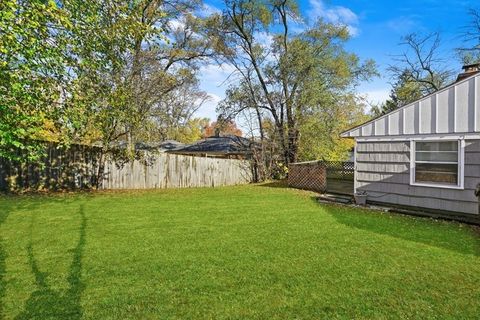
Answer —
377 27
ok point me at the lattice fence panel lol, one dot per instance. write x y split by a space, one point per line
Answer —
342 170
308 176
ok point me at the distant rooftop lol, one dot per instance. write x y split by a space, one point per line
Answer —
228 144
171 145
163 145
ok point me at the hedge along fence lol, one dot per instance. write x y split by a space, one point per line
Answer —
77 167
310 175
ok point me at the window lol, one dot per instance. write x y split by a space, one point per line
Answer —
437 163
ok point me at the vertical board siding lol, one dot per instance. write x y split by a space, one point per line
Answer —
462 105
416 119
471 106
382 170
77 168
443 114
476 110
394 123
367 130
427 115
455 109
380 127
409 118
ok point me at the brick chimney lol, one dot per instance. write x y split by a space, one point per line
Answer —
469 70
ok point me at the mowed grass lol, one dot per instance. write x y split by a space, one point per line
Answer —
246 252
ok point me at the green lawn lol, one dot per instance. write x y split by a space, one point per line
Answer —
247 252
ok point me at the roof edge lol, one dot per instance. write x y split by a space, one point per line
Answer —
346 133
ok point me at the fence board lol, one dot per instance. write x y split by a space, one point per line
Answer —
76 168
177 171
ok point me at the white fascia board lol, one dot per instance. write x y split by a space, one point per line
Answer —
437 136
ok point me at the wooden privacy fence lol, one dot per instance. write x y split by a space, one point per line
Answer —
59 168
322 176
77 168
176 171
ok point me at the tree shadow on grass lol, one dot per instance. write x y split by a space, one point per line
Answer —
452 236
46 303
275 184
3 267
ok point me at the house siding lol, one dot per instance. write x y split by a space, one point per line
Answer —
383 171
454 109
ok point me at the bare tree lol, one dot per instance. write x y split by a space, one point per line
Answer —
470 51
421 63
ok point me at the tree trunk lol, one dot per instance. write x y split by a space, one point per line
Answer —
292 145
100 170
262 159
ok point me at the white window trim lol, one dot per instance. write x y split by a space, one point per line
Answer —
461 165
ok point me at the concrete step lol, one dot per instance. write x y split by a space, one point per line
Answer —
328 197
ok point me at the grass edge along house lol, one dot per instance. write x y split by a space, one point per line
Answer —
426 154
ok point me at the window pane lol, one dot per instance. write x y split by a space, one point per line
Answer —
436 173
436 156
437 146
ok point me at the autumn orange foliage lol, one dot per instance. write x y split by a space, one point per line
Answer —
223 128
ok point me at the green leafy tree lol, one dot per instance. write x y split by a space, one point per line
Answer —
320 132
172 116
192 131
89 71
139 73
135 72
296 75
32 71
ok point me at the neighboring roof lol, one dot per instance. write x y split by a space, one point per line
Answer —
453 109
159 146
164 145
171 145
228 144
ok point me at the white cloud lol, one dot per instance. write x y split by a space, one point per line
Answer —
176 24
214 79
376 96
215 75
207 110
403 24
353 31
265 38
334 14
208 10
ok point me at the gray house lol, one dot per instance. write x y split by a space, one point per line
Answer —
426 154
